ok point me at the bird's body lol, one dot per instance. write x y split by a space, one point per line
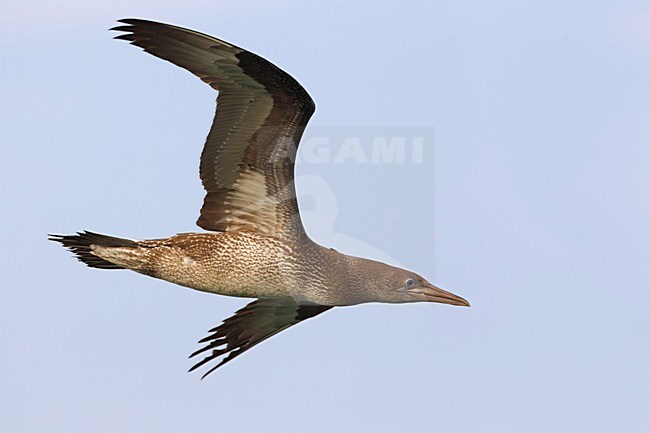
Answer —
256 247
243 264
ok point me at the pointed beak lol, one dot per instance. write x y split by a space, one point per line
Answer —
431 293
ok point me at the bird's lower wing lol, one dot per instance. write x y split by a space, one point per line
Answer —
251 325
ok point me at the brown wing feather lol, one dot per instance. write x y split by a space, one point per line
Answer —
247 163
257 321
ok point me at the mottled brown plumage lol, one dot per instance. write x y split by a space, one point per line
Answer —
258 247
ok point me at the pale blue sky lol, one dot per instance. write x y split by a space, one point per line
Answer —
533 205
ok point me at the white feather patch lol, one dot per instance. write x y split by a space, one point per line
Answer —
250 204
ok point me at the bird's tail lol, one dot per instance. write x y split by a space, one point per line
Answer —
83 244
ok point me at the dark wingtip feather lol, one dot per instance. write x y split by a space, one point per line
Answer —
121 28
134 21
212 369
202 362
125 37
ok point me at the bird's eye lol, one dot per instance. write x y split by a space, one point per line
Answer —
410 282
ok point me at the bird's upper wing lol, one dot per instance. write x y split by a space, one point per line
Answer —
257 321
247 164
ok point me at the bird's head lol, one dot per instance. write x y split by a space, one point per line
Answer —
380 282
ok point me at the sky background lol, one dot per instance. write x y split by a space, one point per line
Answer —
531 200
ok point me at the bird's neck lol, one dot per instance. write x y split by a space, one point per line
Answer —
348 278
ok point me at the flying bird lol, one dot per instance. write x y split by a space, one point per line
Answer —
255 245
